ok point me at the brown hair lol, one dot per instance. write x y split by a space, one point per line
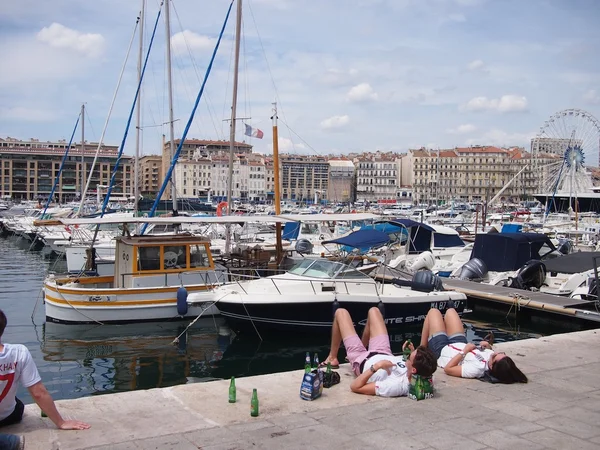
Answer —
507 372
425 362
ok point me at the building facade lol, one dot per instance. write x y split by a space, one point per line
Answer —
377 176
30 168
303 177
342 180
149 175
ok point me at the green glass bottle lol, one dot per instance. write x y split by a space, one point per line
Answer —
254 404
44 414
328 367
232 392
307 366
406 352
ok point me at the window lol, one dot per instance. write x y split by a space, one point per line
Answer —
149 258
174 257
198 256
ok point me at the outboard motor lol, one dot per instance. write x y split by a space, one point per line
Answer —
422 281
425 260
592 291
531 275
565 246
474 269
304 246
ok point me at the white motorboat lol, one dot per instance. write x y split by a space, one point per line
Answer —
305 297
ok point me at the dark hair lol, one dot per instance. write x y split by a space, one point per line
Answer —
2 322
425 362
507 372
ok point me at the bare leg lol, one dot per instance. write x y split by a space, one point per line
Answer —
375 326
434 323
453 323
342 327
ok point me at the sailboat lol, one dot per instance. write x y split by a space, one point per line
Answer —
150 276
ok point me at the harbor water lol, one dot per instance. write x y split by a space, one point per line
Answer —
83 360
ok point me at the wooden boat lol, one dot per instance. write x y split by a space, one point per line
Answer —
151 280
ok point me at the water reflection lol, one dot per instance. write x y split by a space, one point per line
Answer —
119 358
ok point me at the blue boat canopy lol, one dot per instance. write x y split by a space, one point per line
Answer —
510 251
362 240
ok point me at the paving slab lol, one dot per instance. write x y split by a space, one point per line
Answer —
559 408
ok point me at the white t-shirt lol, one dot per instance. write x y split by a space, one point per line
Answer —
392 385
16 366
474 364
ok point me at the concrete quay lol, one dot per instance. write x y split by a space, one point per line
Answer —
558 409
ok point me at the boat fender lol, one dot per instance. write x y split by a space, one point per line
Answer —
334 307
381 308
182 306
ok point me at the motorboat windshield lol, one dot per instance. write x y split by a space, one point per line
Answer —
325 269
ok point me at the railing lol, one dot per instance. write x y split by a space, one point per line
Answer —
239 278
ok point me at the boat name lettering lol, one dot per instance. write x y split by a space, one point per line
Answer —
443 305
99 298
399 320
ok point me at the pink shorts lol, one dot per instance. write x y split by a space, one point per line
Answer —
357 353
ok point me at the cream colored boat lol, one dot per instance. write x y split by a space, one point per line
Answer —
152 277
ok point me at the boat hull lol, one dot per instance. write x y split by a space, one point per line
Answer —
316 315
76 305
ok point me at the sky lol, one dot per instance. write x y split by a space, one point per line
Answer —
347 75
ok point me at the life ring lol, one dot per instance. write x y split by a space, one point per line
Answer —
220 207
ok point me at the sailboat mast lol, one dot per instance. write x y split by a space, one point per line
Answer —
82 150
278 244
170 90
136 186
238 28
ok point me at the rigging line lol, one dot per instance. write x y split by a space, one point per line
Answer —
189 123
112 104
299 137
132 110
89 122
209 102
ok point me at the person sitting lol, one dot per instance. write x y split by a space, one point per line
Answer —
446 338
17 366
378 371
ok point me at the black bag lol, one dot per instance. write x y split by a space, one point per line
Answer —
330 379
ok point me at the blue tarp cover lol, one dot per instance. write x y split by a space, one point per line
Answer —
362 239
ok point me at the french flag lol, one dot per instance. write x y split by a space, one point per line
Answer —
253 132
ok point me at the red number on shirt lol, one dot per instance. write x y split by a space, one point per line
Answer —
9 378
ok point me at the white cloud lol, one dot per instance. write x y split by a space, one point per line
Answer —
592 96
462 129
476 65
180 42
505 104
59 36
285 145
501 138
362 92
335 122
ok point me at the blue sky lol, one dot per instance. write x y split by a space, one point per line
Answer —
348 75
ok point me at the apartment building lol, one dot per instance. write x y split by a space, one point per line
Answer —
30 167
303 176
377 176
149 175
472 174
341 180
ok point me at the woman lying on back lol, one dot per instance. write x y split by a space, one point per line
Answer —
445 337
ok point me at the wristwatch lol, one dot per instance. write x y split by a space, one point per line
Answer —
373 369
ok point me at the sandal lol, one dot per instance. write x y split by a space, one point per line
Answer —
323 365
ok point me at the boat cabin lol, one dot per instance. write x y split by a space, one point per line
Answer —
138 259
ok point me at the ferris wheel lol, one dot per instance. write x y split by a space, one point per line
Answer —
564 150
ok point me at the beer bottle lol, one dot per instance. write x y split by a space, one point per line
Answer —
328 367
232 392
307 367
254 404
316 361
406 351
